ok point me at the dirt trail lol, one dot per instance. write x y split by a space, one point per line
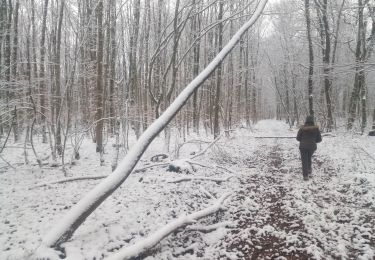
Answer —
268 226
275 228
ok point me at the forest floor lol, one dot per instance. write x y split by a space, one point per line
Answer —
271 212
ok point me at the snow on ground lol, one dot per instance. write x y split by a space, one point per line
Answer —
271 214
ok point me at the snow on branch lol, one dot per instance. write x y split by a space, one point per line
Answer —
149 242
208 166
366 152
93 177
150 166
208 147
11 166
217 180
207 193
194 141
206 229
71 179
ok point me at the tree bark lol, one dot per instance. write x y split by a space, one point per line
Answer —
195 27
311 59
42 88
57 100
133 69
14 70
247 88
33 40
99 79
112 68
327 67
218 72
9 93
359 76
3 33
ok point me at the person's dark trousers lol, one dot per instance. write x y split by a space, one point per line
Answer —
306 155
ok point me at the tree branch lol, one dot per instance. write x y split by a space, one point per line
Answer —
217 180
149 242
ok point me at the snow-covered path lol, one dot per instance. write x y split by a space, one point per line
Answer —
272 213
331 216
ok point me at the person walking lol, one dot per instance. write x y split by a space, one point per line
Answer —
308 136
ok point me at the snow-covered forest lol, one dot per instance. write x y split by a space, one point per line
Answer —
166 129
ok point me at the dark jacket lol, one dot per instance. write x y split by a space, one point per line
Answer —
308 137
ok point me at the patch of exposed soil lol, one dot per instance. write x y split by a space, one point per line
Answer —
266 245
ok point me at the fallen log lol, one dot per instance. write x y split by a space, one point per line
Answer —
288 137
217 180
93 177
206 229
152 240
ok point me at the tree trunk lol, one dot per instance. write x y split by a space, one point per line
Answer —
311 59
363 103
33 40
147 25
42 88
99 79
230 82
14 70
174 68
295 107
218 72
133 88
287 99
112 68
9 93
327 69
359 69
247 88
57 102
254 99
3 32
195 27
240 80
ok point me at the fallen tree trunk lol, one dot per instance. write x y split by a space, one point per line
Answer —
149 242
71 179
206 229
93 177
208 147
218 180
66 226
287 137
11 166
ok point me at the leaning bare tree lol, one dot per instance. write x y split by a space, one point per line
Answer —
63 230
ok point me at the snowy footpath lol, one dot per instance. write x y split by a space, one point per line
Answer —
270 212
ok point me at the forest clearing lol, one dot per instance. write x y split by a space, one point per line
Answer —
187 129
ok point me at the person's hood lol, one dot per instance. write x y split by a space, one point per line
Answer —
309 127
309 120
